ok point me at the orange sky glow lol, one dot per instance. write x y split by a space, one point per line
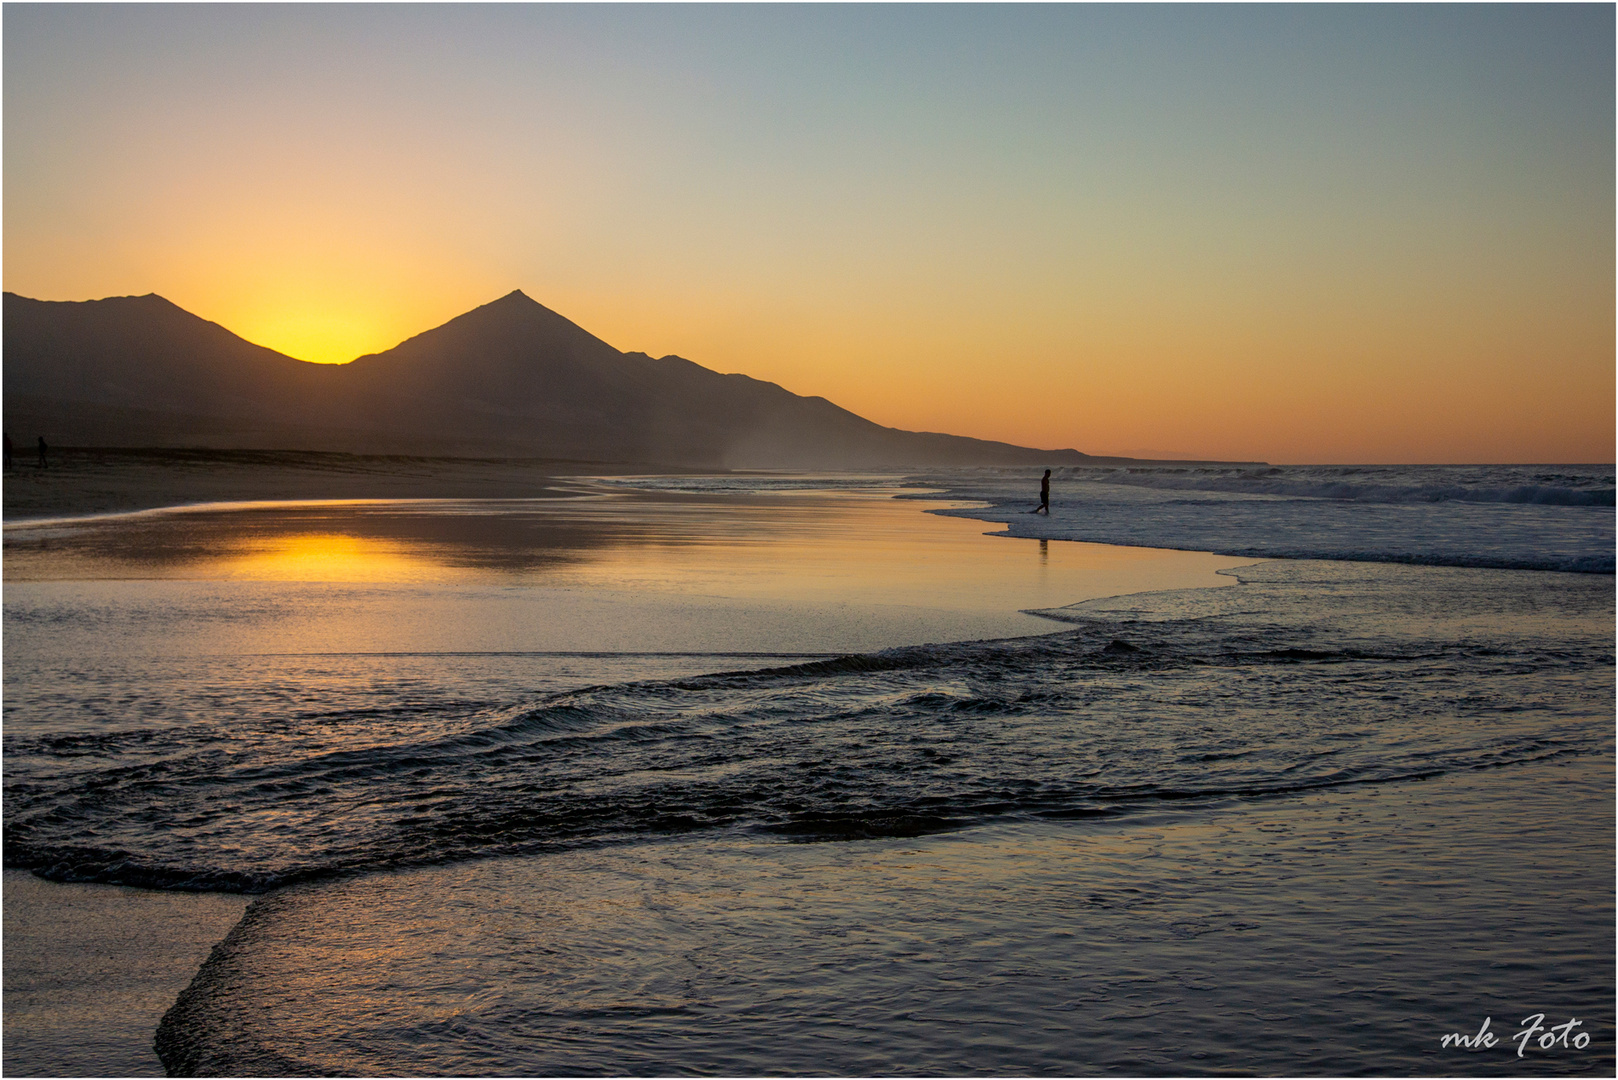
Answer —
1293 235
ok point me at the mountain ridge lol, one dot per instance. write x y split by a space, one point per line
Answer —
509 378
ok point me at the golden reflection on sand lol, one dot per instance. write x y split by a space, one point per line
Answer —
326 557
839 554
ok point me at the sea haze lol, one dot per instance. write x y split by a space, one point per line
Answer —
1198 814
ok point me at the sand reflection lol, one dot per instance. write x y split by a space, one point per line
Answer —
612 570
802 546
325 557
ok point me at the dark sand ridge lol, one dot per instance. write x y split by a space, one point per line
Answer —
77 482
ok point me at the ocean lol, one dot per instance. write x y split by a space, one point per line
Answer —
1270 770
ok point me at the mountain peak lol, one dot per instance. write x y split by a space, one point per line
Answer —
514 324
509 378
514 303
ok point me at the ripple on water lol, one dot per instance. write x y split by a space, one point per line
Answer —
1337 932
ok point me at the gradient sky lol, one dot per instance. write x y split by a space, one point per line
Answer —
1296 234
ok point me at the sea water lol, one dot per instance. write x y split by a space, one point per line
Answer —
1554 517
1314 820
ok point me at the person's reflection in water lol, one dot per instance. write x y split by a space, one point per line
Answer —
1044 551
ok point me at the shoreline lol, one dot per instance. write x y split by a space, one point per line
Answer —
80 483
131 920
1194 896
96 966
1501 534
65 1022
633 571
91 969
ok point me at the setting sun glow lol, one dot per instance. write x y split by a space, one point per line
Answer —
1323 234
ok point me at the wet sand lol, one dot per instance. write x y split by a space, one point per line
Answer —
605 571
77 482
90 970
1232 941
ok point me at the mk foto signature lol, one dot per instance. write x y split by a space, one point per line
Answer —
1548 1038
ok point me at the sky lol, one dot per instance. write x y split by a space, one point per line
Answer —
1312 234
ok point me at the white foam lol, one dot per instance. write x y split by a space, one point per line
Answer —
1494 516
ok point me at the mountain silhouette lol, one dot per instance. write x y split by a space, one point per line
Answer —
511 378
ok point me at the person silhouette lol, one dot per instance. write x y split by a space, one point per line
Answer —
1044 495
8 451
42 449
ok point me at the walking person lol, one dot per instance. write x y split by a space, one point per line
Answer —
42 449
1044 495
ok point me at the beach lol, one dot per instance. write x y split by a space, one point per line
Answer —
1338 933
91 969
887 540
758 774
76 481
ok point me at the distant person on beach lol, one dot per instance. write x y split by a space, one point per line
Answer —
42 449
1044 495
8 451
